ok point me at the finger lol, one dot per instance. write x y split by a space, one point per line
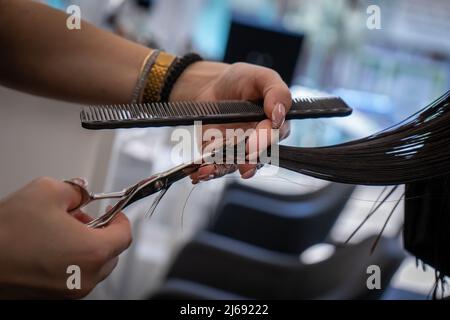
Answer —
224 169
203 173
285 130
256 143
69 195
212 171
260 140
247 170
276 94
264 136
116 237
82 217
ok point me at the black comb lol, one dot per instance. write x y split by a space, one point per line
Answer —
185 113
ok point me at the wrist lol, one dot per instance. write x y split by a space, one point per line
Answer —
195 79
175 71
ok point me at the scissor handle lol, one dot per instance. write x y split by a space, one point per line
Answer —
87 197
136 192
80 184
109 215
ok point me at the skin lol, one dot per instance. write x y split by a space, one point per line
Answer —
37 245
39 239
210 81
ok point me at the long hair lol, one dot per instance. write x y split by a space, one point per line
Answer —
416 149
415 152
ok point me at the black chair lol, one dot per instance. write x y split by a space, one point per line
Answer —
283 223
245 270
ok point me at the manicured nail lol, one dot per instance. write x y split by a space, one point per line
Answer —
85 182
82 182
248 174
278 116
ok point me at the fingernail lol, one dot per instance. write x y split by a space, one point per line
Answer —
211 176
82 182
278 116
85 182
248 174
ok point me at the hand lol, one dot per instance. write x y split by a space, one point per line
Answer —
210 81
39 240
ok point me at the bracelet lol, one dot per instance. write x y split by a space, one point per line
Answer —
175 72
156 77
143 75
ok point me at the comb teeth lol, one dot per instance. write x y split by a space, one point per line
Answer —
187 112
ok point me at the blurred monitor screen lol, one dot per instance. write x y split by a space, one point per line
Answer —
275 49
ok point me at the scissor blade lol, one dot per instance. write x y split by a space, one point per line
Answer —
161 181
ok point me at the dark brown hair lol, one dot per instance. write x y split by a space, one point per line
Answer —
415 152
416 149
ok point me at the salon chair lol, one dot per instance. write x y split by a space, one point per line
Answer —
283 223
243 269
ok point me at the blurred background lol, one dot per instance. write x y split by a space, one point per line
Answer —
273 236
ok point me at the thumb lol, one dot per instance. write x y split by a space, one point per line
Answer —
277 97
70 196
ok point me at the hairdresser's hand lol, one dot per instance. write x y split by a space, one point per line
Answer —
209 81
39 240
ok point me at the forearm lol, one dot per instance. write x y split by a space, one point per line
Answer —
40 55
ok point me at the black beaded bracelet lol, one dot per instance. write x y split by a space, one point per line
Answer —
175 72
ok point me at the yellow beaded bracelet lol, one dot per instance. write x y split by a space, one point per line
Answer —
157 76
